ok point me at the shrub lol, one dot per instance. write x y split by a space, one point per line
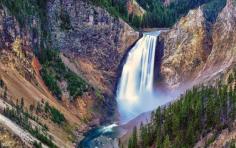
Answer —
57 116
54 71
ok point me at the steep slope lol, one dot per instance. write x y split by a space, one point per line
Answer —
165 13
8 139
95 42
92 44
186 48
134 8
18 75
191 47
197 52
223 49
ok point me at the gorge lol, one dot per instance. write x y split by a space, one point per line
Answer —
87 73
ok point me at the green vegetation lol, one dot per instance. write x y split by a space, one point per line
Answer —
51 81
212 9
133 142
119 9
65 21
21 9
56 116
22 118
159 15
231 144
27 11
54 71
1 83
37 145
202 110
116 8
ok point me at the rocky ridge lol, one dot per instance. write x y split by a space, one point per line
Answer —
186 48
193 48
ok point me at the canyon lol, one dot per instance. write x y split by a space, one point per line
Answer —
94 45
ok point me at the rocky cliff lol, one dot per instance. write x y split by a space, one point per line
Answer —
223 38
186 48
193 47
134 8
94 43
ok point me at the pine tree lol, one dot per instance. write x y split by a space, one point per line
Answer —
22 103
130 144
167 143
135 139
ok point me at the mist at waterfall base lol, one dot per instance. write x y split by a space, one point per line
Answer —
135 93
102 137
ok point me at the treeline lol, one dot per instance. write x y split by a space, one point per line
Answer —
3 87
24 10
56 116
22 118
28 11
159 15
118 8
54 71
202 110
48 112
1 83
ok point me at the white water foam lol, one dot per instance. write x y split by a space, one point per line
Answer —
135 91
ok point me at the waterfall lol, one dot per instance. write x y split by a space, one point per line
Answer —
135 89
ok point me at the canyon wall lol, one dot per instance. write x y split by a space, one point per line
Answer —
196 50
186 48
93 44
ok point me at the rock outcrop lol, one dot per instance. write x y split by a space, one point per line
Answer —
92 44
186 48
134 8
197 51
20 78
20 41
92 41
224 40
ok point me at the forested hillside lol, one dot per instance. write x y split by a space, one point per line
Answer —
204 116
159 14
200 111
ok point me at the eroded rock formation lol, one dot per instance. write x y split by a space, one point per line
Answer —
186 48
198 51
94 43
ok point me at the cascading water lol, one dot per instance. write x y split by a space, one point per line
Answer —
135 90
135 93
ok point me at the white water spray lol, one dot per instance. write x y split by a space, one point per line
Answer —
135 91
108 128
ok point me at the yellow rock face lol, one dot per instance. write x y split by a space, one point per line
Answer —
185 48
